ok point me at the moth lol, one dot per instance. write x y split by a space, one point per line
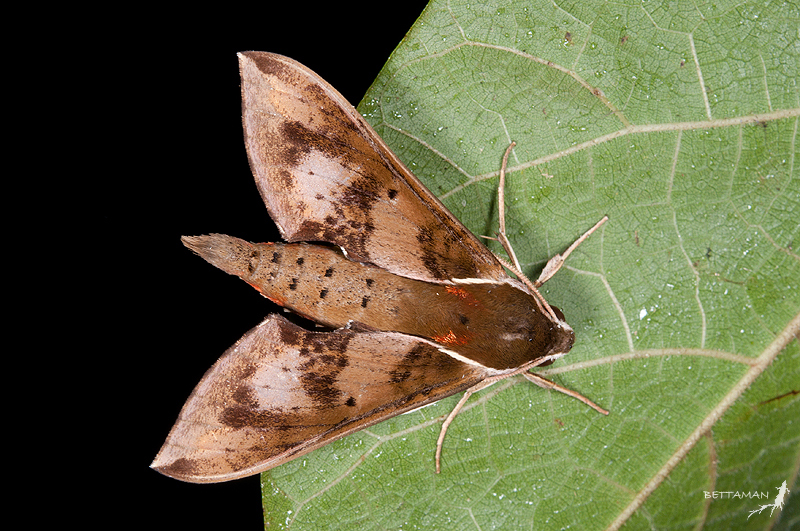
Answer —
415 307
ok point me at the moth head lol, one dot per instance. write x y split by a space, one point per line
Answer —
528 337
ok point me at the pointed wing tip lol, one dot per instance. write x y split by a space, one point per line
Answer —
159 467
179 468
173 461
246 59
162 465
253 56
164 460
192 471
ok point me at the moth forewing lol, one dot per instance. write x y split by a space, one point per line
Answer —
418 308
325 175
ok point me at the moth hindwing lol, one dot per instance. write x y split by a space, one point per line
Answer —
417 308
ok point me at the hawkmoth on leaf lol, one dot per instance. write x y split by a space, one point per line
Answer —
418 309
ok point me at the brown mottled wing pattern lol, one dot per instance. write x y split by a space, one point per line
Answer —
282 391
325 175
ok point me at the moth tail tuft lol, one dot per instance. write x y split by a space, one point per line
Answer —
230 254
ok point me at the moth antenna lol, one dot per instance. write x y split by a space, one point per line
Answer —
555 263
552 266
501 208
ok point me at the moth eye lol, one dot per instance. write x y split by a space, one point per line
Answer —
558 313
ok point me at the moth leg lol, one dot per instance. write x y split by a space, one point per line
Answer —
555 263
452 415
535 378
474 389
544 383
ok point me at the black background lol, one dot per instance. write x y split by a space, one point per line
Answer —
174 163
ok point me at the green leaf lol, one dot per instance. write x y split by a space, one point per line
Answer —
680 122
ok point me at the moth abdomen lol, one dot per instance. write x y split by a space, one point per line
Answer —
315 281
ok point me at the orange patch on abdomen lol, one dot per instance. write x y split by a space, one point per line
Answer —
450 338
462 294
